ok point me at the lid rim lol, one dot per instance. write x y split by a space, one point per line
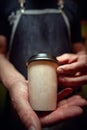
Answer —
42 56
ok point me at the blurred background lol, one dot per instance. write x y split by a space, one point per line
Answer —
83 18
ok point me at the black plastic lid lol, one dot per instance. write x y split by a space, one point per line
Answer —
42 56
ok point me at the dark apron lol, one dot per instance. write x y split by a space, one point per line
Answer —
42 31
37 31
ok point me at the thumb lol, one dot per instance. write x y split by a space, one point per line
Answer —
27 115
20 102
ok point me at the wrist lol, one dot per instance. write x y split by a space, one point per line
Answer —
13 80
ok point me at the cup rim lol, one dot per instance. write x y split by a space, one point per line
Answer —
42 56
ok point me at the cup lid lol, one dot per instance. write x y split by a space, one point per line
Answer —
42 56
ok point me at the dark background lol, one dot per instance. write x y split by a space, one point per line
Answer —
83 9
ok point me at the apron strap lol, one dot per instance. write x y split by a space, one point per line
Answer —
22 7
16 21
61 5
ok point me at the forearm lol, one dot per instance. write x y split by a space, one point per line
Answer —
8 73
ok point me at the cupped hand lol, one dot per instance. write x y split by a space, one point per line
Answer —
72 71
66 108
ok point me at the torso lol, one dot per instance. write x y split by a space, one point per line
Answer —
39 30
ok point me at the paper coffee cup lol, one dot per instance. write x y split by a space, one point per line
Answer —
42 81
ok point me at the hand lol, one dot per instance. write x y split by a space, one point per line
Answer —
66 108
19 97
72 70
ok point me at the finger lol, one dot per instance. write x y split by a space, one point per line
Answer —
67 58
80 64
74 97
78 102
61 114
27 115
67 109
64 93
67 81
70 68
70 99
19 98
73 101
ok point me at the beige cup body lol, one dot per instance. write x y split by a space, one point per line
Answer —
43 85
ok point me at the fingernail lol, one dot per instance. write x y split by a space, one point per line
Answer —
31 128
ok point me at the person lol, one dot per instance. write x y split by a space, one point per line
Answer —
30 27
